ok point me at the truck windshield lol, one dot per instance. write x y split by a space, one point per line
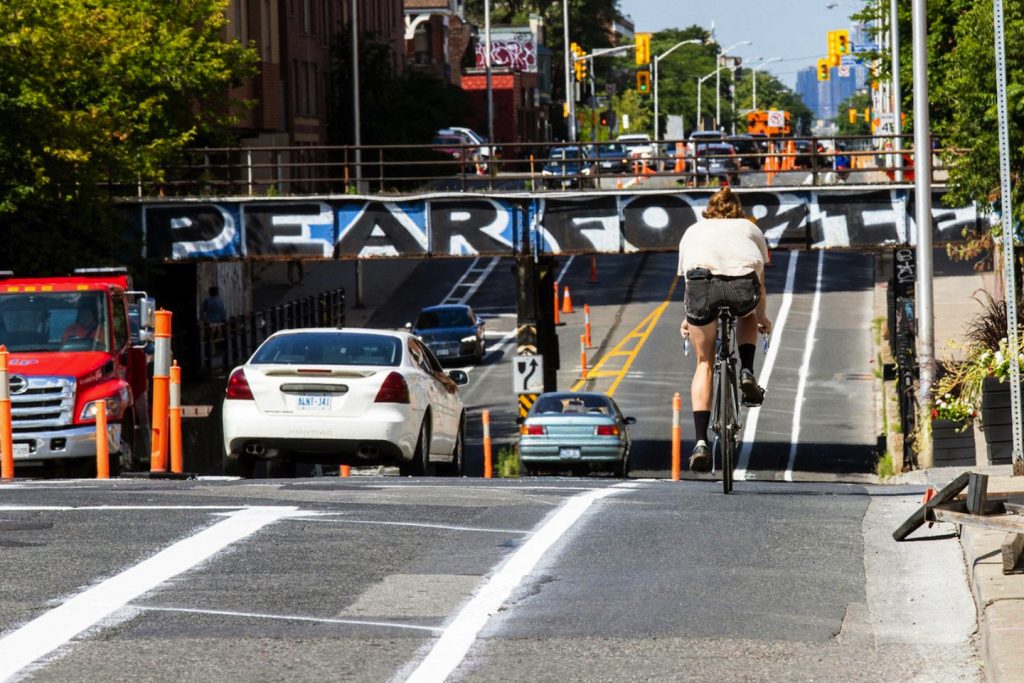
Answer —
54 321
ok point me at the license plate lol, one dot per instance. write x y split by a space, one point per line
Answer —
443 352
315 402
22 449
569 453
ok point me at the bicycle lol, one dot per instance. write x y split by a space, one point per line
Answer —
725 401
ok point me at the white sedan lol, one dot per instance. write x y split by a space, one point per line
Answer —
344 396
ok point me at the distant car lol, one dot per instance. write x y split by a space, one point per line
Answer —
567 167
452 331
343 396
805 154
610 157
717 160
469 137
702 136
454 147
747 150
574 430
638 145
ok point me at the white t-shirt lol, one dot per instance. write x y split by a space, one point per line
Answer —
725 246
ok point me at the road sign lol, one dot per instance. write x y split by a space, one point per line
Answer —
528 374
776 119
843 71
865 47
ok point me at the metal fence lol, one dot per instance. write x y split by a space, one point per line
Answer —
535 167
225 345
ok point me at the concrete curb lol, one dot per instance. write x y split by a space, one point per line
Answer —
1000 603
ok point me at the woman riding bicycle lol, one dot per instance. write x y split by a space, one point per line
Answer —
722 259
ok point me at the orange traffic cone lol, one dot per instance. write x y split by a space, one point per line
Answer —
618 183
567 301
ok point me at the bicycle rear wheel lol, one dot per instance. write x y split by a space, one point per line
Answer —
727 434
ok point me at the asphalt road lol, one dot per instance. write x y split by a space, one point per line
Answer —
379 578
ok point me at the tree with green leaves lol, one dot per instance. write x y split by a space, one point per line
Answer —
93 90
859 103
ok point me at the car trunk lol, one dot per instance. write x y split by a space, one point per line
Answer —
313 392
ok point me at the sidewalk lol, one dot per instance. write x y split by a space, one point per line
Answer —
999 599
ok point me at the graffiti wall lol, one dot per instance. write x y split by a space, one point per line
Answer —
460 225
517 50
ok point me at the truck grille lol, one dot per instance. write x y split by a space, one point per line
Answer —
44 402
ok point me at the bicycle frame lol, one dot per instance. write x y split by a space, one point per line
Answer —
725 405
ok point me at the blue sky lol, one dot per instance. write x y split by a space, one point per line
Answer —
792 29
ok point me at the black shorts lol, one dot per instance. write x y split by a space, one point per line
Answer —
706 293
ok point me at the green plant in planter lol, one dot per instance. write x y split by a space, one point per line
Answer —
952 408
986 354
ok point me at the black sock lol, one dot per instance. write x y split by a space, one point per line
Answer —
747 356
701 420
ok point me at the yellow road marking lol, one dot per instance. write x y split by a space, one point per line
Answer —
639 335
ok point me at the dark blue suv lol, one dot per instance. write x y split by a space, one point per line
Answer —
452 331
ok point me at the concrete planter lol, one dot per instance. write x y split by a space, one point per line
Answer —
995 420
953 443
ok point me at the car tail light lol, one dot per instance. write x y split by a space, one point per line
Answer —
393 390
606 430
238 387
532 430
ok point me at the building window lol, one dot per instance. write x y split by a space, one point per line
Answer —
266 35
307 17
421 43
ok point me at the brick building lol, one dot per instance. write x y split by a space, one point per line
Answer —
437 37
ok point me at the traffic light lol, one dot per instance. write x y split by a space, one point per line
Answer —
581 69
833 44
643 82
604 118
843 42
643 49
823 69
853 115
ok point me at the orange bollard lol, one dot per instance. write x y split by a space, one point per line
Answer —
583 357
177 463
567 301
557 319
102 444
593 270
161 391
586 324
677 405
345 471
6 431
488 461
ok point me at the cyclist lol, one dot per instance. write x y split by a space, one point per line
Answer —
722 259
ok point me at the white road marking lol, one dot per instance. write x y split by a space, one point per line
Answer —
107 508
750 427
421 525
568 263
451 648
804 370
452 298
288 617
53 629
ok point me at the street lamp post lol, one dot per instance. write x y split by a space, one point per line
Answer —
753 71
658 58
718 81
700 83
490 77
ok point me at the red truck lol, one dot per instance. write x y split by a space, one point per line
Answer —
75 341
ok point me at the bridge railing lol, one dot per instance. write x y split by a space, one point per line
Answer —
536 167
225 345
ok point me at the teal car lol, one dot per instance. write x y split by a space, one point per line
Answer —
580 431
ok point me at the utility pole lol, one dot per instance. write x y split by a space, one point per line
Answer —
357 135
923 216
570 96
897 103
490 79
